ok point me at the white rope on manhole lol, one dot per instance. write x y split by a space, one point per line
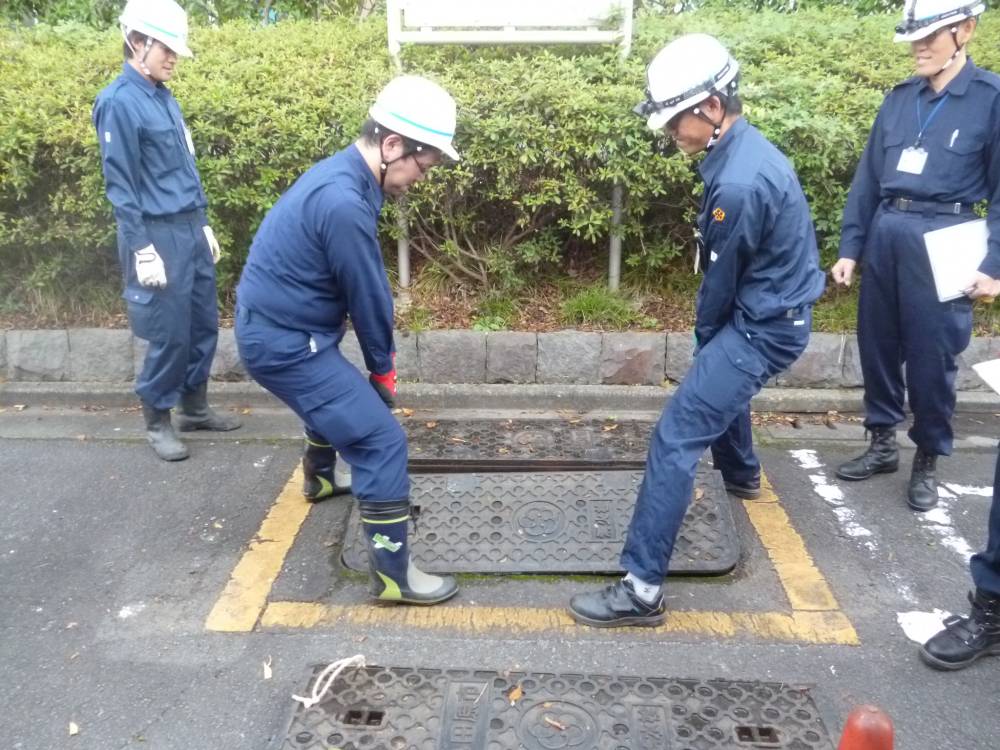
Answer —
325 679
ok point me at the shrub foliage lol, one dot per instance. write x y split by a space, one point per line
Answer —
544 134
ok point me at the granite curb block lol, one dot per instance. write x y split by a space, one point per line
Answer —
603 398
460 356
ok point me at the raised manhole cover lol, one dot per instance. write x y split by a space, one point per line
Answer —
396 708
550 522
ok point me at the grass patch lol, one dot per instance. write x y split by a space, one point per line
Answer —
596 306
416 319
494 313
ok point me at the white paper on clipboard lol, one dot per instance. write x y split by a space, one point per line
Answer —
990 372
955 253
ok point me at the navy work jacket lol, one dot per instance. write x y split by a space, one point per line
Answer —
962 141
759 246
316 258
147 155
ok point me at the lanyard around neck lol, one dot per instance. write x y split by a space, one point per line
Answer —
923 125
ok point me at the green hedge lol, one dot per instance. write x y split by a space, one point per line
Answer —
544 134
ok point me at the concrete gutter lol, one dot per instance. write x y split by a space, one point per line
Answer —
479 396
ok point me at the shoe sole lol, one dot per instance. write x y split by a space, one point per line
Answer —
640 622
949 666
420 602
885 470
744 494
182 427
920 508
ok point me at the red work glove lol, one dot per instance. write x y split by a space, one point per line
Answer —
385 385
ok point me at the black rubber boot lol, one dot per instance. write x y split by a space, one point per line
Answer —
615 606
195 413
323 474
394 576
922 494
160 434
965 639
881 457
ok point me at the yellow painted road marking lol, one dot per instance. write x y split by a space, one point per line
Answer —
245 596
815 615
810 627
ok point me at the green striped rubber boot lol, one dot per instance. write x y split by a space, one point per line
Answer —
324 474
394 576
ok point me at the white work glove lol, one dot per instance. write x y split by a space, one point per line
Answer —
149 268
213 244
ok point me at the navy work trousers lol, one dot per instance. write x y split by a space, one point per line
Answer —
333 399
900 320
985 565
711 408
180 322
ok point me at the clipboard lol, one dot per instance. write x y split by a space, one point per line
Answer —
955 253
989 371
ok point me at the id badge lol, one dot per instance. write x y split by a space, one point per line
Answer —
189 139
912 160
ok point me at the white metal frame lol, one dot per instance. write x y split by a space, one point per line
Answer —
509 22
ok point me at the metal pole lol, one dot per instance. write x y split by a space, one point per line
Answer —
615 245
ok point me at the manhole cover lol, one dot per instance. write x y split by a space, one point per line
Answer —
394 708
438 445
550 522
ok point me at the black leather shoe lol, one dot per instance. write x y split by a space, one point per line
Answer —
615 606
966 639
746 490
881 457
922 494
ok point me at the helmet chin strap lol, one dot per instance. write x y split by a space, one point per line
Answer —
147 47
384 163
717 126
958 50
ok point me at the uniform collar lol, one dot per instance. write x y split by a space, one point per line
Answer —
372 190
957 86
716 158
134 76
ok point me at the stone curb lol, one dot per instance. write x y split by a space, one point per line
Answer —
557 358
623 398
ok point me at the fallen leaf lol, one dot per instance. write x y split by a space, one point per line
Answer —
699 493
610 427
458 440
514 694
553 723
407 412
217 525
74 729
267 668
20 407
575 421
503 451
431 425
246 410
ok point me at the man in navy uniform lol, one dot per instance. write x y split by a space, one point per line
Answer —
933 152
315 261
757 247
166 248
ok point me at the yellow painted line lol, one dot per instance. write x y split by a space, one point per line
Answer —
245 595
815 616
810 627
804 585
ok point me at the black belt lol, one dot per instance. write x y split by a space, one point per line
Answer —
930 207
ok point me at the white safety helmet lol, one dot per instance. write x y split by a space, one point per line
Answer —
163 20
688 70
419 109
923 17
